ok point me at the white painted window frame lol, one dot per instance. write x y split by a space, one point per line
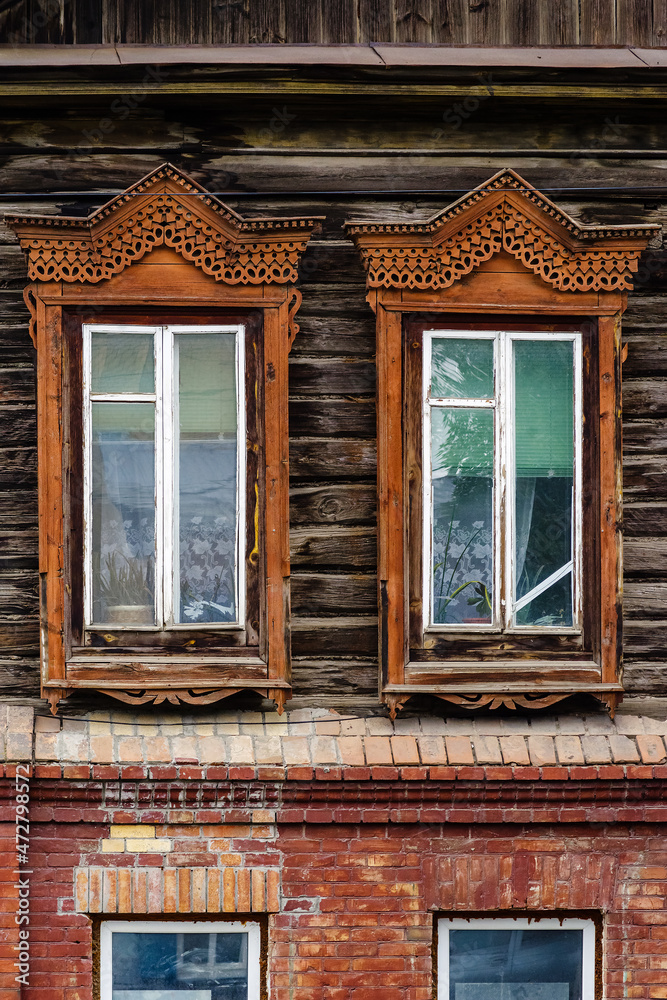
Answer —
165 401
110 927
502 405
445 924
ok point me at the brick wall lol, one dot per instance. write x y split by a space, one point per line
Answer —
352 872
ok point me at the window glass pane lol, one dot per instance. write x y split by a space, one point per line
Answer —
462 515
122 362
123 513
207 477
515 964
166 966
461 367
544 430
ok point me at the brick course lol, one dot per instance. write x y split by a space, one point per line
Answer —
350 835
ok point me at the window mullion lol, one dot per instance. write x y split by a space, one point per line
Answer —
427 503
87 480
165 492
504 533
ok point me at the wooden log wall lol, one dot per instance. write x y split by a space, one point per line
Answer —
225 22
344 160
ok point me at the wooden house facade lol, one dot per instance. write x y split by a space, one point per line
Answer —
333 501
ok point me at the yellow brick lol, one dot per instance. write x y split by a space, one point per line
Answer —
263 832
139 830
263 816
82 891
114 846
146 846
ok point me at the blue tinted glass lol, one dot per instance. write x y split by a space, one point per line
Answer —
165 966
519 964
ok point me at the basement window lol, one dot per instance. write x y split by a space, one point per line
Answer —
188 960
516 958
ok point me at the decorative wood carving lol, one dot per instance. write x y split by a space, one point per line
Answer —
504 213
165 245
503 249
166 208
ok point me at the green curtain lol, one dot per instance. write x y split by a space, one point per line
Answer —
543 373
462 438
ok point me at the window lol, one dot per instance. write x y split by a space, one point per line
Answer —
502 435
516 958
499 449
193 960
163 324
164 475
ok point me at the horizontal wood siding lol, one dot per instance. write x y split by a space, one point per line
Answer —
453 22
317 148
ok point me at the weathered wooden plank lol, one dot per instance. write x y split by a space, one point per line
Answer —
17 385
18 468
645 557
597 23
644 438
644 520
646 639
644 479
20 638
334 504
342 677
644 600
634 22
647 355
19 544
353 636
416 22
336 547
644 397
328 417
19 596
13 273
341 334
19 677
639 676
522 22
331 376
18 425
559 23
329 459
317 594
600 22
376 21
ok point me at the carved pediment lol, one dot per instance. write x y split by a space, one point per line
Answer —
166 208
504 213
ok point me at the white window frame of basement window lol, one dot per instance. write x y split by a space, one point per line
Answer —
166 519
110 927
502 403
445 924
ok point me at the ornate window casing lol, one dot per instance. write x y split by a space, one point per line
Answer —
501 264
163 256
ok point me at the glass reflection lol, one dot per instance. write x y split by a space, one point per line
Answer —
461 368
544 484
122 362
166 966
515 964
462 515
123 513
207 477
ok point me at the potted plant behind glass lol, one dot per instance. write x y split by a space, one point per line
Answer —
126 591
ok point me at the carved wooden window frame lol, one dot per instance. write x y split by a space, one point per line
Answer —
503 254
167 250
